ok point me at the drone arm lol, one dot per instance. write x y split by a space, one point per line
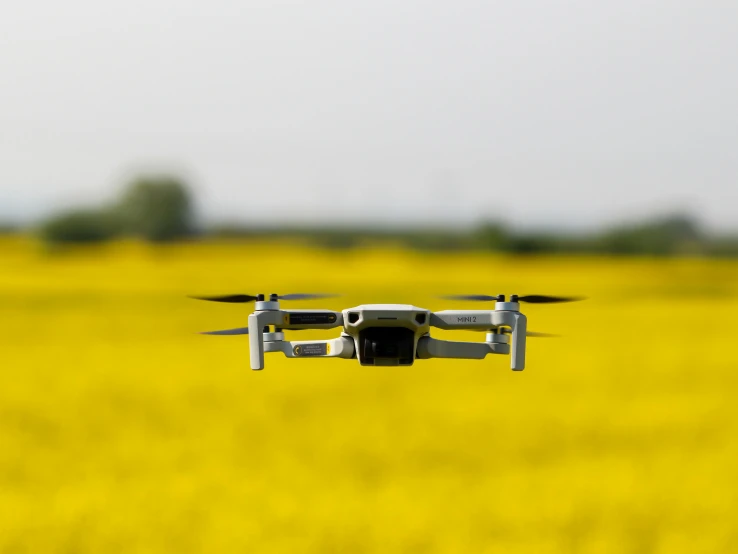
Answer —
477 320
480 320
289 319
434 348
310 319
342 347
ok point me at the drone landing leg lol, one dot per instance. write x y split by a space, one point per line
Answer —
257 322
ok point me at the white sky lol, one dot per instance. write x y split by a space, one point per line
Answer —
574 113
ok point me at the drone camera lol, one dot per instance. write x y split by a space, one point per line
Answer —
387 346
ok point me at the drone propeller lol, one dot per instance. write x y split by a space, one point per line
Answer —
530 299
245 298
237 331
225 332
506 331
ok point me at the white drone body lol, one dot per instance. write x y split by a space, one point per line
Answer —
383 334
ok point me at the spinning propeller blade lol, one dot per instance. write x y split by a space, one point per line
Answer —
506 331
238 331
232 298
530 299
472 297
302 296
245 298
541 299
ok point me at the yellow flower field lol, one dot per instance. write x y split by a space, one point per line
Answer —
122 430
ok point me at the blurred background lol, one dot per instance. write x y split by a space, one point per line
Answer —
389 153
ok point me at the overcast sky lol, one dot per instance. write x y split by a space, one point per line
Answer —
574 113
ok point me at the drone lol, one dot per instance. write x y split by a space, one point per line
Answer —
386 334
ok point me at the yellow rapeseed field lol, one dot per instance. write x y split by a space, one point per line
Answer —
122 430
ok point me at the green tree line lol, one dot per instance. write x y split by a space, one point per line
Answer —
671 235
160 209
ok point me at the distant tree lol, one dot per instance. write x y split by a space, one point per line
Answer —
669 235
334 239
156 208
532 243
79 226
491 236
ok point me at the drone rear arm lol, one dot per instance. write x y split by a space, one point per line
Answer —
434 348
342 347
